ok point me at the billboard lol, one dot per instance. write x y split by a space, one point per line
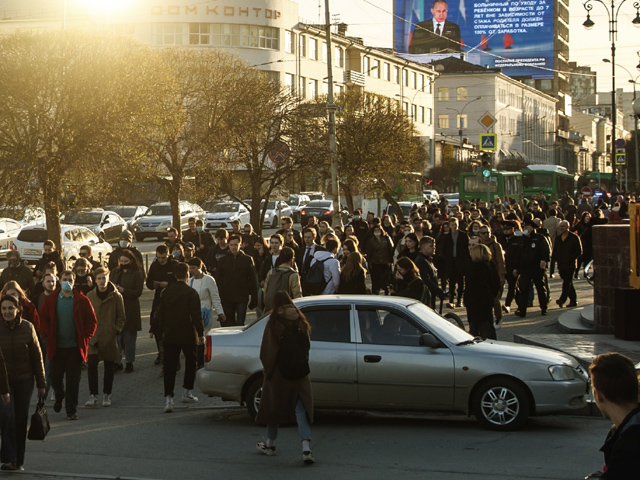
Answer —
516 36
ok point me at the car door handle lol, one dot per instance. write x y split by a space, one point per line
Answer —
372 358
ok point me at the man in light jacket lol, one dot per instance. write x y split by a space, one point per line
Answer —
331 266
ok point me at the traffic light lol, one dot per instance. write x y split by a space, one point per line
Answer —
486 165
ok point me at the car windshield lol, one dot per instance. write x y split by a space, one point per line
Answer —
225 207
124 211
319 204
271 206
85 218
159 210
429 317
33 236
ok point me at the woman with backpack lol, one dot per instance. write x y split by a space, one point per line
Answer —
286 391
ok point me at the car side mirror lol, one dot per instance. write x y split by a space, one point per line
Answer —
429 340
1 231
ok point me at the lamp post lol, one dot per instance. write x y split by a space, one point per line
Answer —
612 14
460 113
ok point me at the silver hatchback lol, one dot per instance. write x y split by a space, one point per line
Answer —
393 353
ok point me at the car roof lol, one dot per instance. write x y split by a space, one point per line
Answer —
325 300
64 227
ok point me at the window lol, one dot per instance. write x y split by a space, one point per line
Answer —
339 89
269 37
387 72
405 107
199 33
302 46
313 88
414 81
546 85
414 113
429 119
167 33
249 35
302 87
384 327
396 75
421 82
325 88
376 69
289 41
461 93
366 68
313 49
443 121
289 82
405 77
443 94
422 119
338 61
324 52
329 325
461 121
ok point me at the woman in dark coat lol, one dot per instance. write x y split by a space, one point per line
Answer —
353 275
408 281
583 229
282 399
411 247
482 286
439 261
379 250
24 367
129 281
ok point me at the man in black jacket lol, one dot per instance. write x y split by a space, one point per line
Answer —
615 389
180 319
534 258
237 280
160 276
455 255
566 252
428 271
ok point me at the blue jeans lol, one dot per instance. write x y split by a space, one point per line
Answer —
67 363
303 424
13 422
127 341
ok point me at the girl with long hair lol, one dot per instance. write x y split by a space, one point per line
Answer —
408 281
353 275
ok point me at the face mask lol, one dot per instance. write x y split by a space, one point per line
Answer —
476 230
377 234
14 263
199 229
525 233
176 254
66 286
123 243
357 217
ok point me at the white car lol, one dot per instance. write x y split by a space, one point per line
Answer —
297 203
32 237
9 229
24 215
276 209
223 214
431 195
159 218
129 213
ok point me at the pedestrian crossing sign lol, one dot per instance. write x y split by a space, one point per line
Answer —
621 159
488 142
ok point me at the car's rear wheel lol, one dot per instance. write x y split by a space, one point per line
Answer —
501 404
274 224
253 395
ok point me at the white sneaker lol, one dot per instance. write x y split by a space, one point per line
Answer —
92 402
190 398
106 400
168 408
307 457
262 448
53 395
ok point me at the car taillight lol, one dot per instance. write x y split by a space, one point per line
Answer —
207 351
303 212
327 212
13 246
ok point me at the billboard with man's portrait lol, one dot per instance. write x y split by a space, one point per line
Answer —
516 36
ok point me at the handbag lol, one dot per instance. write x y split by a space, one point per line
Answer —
39 422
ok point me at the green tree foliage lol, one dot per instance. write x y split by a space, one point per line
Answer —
67 99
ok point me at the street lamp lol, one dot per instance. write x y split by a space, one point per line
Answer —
612 13
635 121
460 113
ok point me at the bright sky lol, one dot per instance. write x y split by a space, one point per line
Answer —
372 20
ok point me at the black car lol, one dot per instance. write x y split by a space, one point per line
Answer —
321 209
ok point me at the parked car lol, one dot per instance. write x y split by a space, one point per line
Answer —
431 195
405 206
321 209
297 203
223 214
452 198
129 213
158 219
32 237
106 224
9 230
314 195
394 353
276 209
24 215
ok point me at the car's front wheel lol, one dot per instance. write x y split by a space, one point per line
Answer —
501 404
274 224
253 395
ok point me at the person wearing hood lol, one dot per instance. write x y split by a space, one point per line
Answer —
103 346
124 243
360 227
331 266
18 272
20 368
284 398
50 254
85 282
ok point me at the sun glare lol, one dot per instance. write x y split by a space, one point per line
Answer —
107 7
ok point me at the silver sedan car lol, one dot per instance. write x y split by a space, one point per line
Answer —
393 353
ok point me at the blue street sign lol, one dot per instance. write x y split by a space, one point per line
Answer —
488 141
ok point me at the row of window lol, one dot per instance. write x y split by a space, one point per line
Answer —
443 93
308 47
215 34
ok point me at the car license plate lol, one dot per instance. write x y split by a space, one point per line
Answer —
31 251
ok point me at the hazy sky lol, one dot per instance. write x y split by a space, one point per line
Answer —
372 20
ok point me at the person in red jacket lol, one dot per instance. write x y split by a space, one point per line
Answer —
68 321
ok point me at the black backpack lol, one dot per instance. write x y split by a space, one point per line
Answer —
293 354
314 282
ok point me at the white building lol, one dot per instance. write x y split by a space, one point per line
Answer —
471 100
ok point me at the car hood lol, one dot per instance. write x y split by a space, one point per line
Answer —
518 351
220 215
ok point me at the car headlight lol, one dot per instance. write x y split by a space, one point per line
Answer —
561 372
232 218
166 223
267 215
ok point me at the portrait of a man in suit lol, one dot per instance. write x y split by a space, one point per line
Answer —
437 34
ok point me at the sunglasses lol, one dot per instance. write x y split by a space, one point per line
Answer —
483 233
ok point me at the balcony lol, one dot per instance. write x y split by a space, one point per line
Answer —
351 77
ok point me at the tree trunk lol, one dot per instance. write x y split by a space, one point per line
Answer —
174 198
389 198
348 197
51 196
